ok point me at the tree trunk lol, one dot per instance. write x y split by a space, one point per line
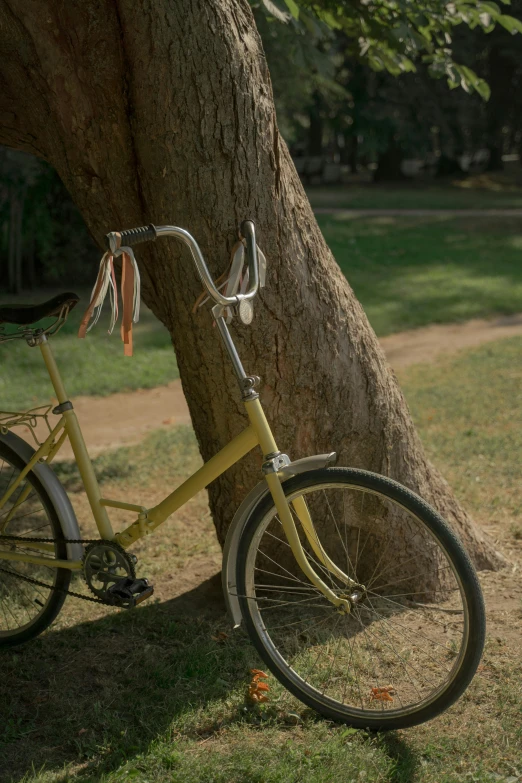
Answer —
162 111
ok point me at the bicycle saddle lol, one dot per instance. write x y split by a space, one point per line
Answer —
25 314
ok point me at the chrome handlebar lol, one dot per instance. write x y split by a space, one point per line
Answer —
116 239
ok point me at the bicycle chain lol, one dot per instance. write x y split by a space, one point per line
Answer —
43 584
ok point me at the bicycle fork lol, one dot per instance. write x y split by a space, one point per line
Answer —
272 455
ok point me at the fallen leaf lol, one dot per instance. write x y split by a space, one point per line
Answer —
382 694
256 689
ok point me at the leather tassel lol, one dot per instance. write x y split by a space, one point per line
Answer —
128 303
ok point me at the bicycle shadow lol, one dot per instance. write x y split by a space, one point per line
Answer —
406 761
98 693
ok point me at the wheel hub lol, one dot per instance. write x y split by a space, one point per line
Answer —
356 596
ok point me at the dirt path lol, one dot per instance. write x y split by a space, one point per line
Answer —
428 342
124 418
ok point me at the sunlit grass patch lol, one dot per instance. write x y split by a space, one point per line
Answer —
468 411
410 272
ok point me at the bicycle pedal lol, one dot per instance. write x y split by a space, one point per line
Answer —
129 592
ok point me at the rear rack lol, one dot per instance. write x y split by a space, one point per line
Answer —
30 419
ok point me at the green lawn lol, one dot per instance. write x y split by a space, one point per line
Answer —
410 272
468 410
95 365
504 191
154 696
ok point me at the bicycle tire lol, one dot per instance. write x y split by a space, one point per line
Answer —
374 712
40 509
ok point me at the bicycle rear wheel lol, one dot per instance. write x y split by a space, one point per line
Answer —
413 639
26 609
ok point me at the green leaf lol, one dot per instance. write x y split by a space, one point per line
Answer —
329 19
293 8
469 81
349 732
489 8
483 89
272 9
510 23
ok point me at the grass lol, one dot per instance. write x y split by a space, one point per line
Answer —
486 191
411 272
468 410
94 366
158 695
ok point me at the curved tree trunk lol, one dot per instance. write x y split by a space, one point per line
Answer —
162 111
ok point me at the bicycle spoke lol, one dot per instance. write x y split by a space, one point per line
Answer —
396 603
290 575
419 574
339 534
417 635
384 622
415 687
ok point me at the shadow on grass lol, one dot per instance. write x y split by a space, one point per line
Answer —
100 692
413 272
96 695
405 760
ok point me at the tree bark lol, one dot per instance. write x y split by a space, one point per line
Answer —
162 111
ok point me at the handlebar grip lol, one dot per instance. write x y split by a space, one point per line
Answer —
130 237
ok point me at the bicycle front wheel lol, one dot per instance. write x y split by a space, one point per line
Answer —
414 636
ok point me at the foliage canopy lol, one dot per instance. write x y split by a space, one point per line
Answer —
394 35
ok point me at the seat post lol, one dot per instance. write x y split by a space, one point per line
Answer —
52 368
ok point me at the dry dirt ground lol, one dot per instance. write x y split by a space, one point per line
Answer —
428 342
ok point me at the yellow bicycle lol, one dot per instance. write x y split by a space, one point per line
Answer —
357 595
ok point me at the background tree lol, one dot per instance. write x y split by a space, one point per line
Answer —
163 112
386 105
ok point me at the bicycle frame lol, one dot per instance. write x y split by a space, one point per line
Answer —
258 433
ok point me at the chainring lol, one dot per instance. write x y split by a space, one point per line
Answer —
104 563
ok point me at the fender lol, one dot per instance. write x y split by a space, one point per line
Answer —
228 573
56 492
